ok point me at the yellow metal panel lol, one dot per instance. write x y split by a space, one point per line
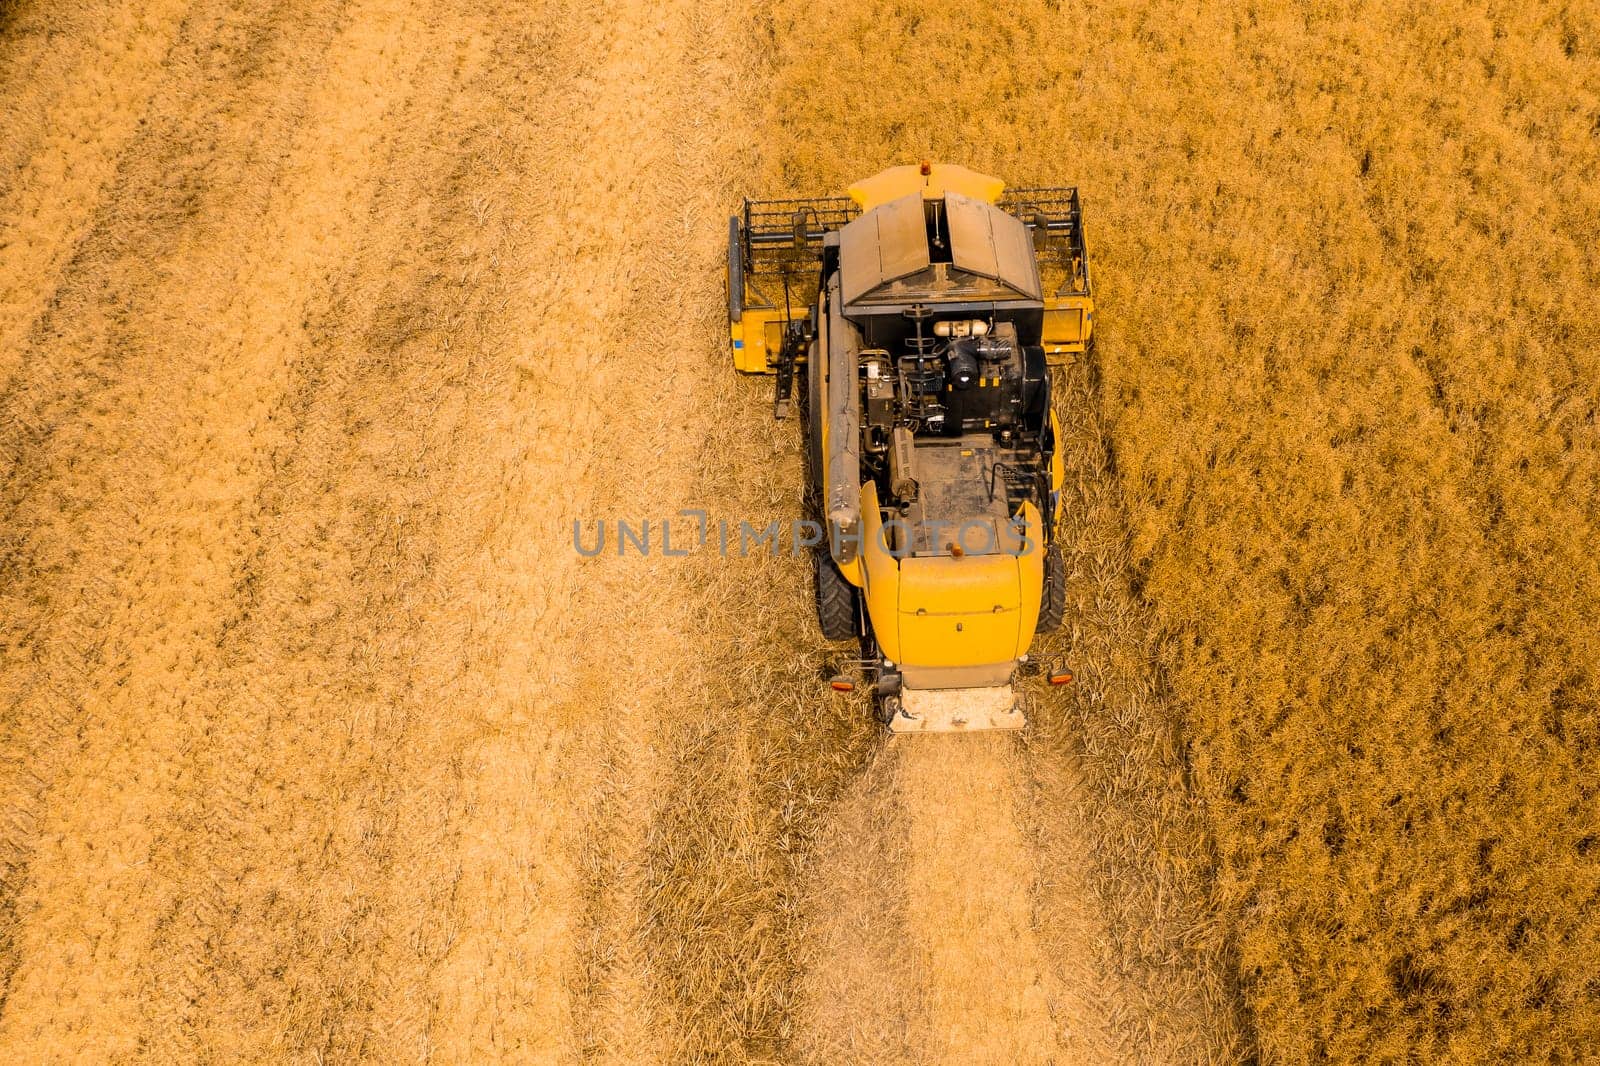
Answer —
1068 324
880 576
958 639
1063 325
896 182
959 612
741 352
756 338
945 585
1030 577
942 612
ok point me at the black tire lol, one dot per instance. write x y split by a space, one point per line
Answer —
1053 601
836 599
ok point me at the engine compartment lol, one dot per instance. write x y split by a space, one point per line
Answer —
955 426
972 375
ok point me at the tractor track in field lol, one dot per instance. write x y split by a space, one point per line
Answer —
322 744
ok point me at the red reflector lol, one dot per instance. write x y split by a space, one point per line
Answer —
1061 677
842 684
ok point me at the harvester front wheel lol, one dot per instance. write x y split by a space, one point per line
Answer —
1053 604
836 599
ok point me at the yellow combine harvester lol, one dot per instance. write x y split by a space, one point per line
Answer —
920 313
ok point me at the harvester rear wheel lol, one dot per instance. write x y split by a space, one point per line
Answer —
1053 604
836 599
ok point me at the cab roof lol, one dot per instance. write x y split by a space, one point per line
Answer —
946 248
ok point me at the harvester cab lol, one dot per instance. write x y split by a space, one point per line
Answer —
918 317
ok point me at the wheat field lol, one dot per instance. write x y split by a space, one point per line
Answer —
322 321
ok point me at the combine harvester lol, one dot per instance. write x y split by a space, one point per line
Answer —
914 312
